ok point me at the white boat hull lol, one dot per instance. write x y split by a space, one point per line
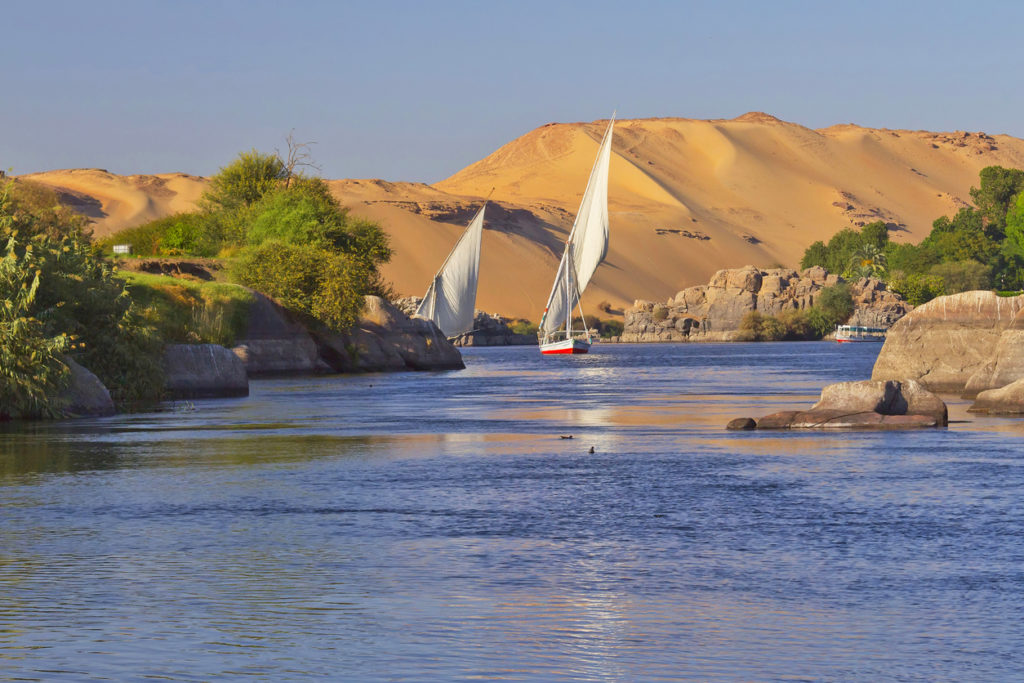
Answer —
564 347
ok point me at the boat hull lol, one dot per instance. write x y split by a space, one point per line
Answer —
564 347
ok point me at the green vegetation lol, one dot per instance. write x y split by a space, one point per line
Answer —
286 234
833 307
59 297
190 312
523 326
978 248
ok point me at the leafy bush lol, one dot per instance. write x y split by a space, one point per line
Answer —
74 295
522 326
611 328
322 284
962 276
183 234
916 288
31 371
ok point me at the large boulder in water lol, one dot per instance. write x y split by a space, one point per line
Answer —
903 404
1006 363
203 371
944 342
85 394
275 342
904 397
385 338
1007 400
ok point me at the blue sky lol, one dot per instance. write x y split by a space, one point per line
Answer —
418 90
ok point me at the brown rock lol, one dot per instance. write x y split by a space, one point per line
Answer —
854 397
1007 400
384 338
742 423
203 371
275 342
780 420
944 342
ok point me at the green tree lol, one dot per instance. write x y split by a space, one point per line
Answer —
962 238
962 276
998 187
244 181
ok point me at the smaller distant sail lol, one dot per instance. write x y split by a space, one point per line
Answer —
451 299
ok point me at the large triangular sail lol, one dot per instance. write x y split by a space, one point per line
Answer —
450 300
586 247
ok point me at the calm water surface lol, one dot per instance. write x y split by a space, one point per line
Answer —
434 526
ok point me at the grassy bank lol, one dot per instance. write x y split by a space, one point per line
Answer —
190 312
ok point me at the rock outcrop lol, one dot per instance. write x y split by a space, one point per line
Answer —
1006 400
275 343
955 341
384 339
900 404
713 312
489 329
85 395
203 371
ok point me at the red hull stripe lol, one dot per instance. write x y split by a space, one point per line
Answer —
564 351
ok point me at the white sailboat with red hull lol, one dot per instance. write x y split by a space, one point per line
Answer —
584 251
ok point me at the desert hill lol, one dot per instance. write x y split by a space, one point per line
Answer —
687 197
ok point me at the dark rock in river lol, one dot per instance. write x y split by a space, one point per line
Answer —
85 394
713 312
385 338
954 340
742 423
203 371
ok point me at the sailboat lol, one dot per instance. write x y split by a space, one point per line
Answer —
450 300
584 250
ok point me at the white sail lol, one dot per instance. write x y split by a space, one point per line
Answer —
587 244
450 300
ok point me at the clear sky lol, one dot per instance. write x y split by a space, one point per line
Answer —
418 90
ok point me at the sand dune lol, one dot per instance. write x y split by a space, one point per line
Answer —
687 197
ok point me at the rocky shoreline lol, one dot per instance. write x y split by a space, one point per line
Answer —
489 329
713 312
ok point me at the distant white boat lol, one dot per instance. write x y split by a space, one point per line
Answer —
858 333
450 300
584 251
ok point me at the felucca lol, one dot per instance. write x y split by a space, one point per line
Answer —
584 250
450 300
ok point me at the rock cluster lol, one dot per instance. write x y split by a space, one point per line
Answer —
489 329
970 343
384 338
276 343
900 404
713 312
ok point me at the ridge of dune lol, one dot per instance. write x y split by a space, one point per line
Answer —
687 197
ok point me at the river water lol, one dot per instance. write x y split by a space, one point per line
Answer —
435 526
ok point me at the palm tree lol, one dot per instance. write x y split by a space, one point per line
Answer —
869 261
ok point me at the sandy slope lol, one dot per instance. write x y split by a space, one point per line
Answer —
687 197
